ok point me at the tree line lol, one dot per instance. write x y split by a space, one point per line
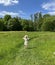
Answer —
38 22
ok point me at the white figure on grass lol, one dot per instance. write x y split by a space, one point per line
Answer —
26 39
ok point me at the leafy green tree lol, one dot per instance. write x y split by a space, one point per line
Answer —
46 15
2 26
38 20
30 26
6 21
35 21
25 24
10 24
32 19
16 24
7 17
48 26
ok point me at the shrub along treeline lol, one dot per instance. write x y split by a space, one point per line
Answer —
38 22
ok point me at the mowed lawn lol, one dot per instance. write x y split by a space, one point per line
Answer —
40 51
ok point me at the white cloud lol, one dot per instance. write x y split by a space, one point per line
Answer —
2 13
49 6
13 14
51 13
9 2
21 12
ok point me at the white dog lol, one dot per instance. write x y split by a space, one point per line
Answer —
26 39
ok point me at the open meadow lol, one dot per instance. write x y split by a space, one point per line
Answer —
40 51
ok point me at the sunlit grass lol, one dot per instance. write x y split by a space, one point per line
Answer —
40 51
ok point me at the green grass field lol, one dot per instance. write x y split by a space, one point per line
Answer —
40 51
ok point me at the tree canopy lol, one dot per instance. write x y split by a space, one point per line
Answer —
38 22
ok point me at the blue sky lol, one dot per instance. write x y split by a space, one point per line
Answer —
24 8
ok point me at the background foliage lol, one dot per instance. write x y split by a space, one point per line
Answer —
38 22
